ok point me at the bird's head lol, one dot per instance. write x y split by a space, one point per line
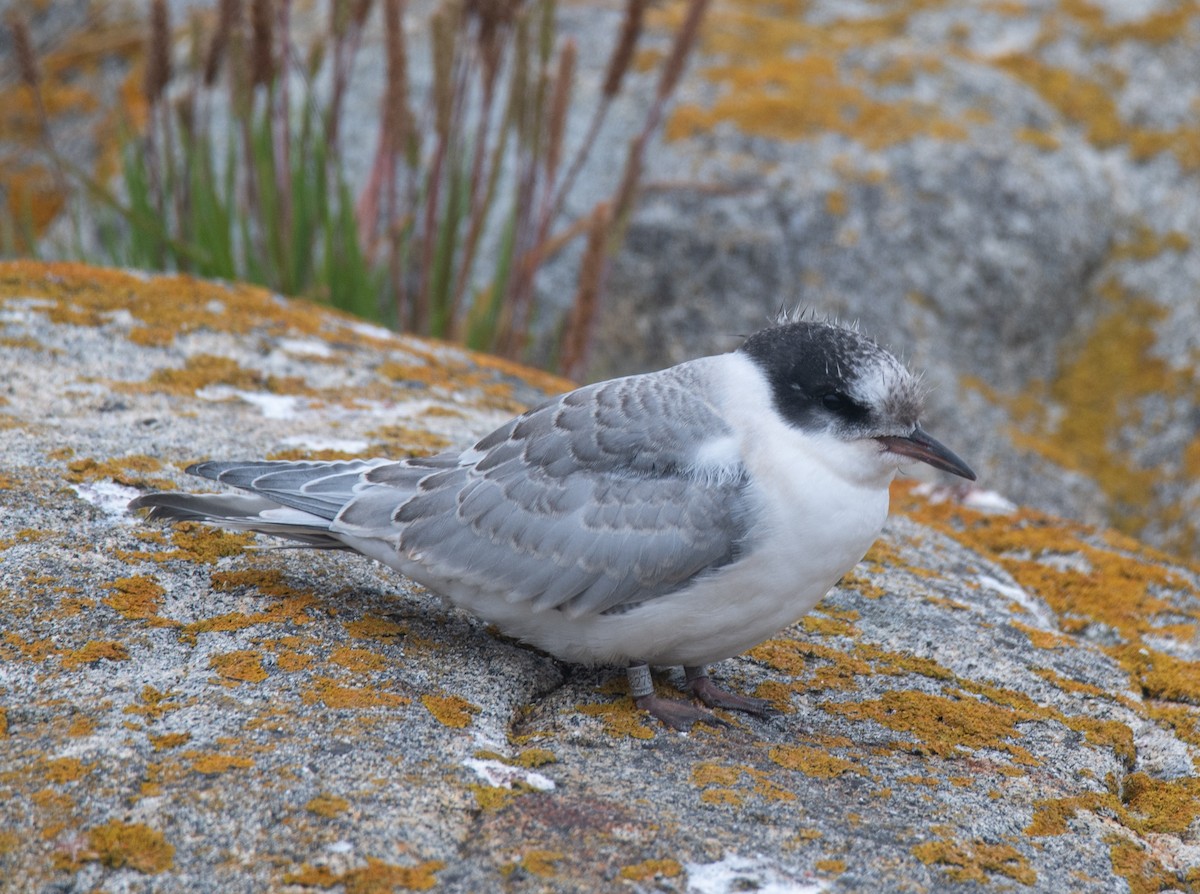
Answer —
830 380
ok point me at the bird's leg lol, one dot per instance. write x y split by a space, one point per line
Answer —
676 714
699 684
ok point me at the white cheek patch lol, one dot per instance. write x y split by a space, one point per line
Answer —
892 389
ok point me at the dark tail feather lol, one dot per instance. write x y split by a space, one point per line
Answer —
242 513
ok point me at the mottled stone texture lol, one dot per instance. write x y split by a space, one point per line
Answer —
992 700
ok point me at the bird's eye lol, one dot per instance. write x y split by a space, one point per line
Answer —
835 402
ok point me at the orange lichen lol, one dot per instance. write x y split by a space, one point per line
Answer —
620 718
117 845
399 441
1160 805
135 598
332 694
155 703
327 805
815 762
96 650
1051 815
242 666
1142 871
213 764
830 867
65 769
452 710
206 370
358 660
976 860
538 862
370 627
131 471
945 726
81 727
535 757
648 869
1082 101
377 877
169 740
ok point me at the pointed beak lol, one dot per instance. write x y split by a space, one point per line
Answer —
922 447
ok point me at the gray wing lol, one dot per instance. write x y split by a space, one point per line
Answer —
589 503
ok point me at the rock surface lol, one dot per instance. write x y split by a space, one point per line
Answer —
994 700
1005 192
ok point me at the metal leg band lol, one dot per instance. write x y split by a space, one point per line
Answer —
690 674
640 682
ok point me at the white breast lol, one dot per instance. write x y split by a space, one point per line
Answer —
820 505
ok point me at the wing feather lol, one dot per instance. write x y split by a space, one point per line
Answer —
586 504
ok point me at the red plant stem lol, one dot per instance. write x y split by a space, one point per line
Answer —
281 128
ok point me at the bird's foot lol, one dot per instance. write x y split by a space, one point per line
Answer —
676 714
703 688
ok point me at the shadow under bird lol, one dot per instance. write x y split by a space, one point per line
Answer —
676 518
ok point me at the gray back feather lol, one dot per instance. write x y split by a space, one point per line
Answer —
587 503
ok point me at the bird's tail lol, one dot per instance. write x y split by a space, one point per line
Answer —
294 500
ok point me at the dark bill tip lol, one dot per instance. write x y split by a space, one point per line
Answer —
923 448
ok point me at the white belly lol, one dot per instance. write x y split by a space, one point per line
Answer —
798 556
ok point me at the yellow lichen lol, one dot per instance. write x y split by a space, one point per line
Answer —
451 710
65 769
135 598
358 660
620 718
541 862
815 762
332 694
206 370
242 666
715 774
377 877
976 860
648 869
1160 805
945 726
155 703
327 805
213 764
1050 815
370 627
535 757
117 845
132 471
169 740
830 867
1142 871
96 650
81 727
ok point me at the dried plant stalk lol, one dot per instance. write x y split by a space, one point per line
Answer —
229 13
27 66
558 109
158 54
577 337
618 63
262 45
681 48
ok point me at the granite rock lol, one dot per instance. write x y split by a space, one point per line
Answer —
994 699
